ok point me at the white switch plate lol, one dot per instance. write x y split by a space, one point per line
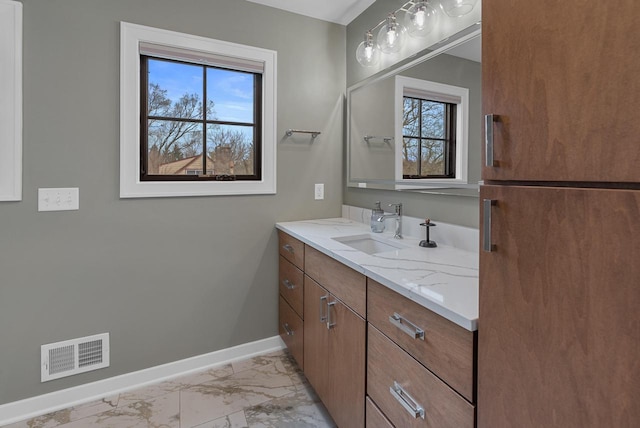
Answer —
319 191
59 199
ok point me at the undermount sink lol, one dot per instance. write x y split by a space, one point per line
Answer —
369 243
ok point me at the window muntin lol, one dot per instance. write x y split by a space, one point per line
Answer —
200 123
429 138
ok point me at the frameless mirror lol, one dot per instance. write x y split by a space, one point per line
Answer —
417 127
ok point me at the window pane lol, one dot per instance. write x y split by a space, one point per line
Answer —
410 157
231 93
411 117
175 148
231 149
174 90
433 119
432 157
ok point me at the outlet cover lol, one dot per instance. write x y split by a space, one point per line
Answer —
319 191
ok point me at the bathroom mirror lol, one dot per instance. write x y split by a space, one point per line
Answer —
381 156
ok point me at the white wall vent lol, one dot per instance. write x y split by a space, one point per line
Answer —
74 356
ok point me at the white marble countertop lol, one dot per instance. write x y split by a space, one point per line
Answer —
442 279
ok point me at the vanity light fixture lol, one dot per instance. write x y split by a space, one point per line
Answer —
368 52
457 8
420 17
391 35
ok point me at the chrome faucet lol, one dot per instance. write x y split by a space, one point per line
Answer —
398 216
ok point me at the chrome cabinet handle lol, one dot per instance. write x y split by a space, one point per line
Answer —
406 326
329 322
486 225
488 138
406 400
288 248
287 329
323 317
288 284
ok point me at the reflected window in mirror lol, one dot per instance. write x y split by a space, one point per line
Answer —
428 138
432 124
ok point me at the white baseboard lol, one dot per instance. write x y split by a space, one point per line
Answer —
47 403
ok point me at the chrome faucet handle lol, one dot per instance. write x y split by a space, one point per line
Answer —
398 208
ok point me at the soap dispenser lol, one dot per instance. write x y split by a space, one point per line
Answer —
376 213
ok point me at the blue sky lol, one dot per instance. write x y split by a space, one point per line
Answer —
232 92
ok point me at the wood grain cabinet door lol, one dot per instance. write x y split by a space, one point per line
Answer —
347 365
316 337
562 79
559 330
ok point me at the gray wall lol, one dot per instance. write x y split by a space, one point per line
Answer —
169 278
450 209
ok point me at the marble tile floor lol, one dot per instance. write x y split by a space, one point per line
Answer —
264 391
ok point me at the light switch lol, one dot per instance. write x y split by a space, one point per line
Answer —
59 199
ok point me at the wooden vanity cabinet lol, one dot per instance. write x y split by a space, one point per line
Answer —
420 366
335 345
445 348
290 313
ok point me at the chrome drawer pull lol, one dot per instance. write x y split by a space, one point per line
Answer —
406 400
288 248
288 284
486 225
406 326
329 322
488 139
323 317
287 329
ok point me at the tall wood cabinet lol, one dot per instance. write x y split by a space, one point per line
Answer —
562 79
559 326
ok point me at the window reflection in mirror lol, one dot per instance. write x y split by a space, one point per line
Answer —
377 154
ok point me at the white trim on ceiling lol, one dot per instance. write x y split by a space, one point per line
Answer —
338 11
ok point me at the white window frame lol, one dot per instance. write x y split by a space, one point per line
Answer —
439 92
130 184
11 101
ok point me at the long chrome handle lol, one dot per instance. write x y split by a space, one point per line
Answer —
488 138
323 318
287 329
406 326
288 248
288 284
406 400
486 225
329 322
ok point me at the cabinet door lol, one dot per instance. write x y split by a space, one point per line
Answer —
562 77
559 331
347 359
316 337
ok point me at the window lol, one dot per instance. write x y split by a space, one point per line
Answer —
10 101
428 138
197 116
431 123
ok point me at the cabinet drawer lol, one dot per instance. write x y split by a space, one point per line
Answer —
341 281
291 285
375 417
291 249
398 383
446 349
290 329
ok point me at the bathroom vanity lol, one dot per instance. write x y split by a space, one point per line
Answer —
384 330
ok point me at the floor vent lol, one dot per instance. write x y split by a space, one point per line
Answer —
74 356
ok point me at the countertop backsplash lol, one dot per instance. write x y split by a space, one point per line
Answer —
462 237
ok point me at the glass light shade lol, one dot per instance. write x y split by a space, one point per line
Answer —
368 53
391 36
420 19
457 8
